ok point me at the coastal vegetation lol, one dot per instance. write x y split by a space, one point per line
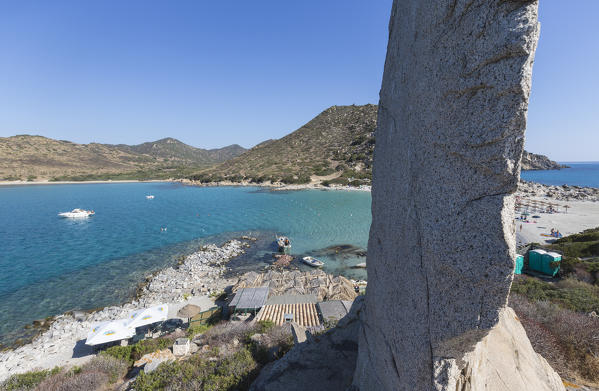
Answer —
132 353
100 373
337 144
334 148
229 356
560 316
31 158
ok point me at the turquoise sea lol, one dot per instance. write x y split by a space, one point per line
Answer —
579 174
50 265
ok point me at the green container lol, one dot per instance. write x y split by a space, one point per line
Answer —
519 264
535 260
551 263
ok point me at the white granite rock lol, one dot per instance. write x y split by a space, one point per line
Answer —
450 139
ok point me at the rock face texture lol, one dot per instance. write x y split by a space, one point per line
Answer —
323 363
449 144
450 137
531 161
503 361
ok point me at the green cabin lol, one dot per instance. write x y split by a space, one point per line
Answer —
544 262
519 264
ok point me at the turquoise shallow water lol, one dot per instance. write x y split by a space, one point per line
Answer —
50 265
579 174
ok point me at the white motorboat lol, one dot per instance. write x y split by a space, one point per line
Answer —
150 197
284 243
311 261
77 214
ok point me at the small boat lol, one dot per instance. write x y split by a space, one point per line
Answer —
150 197
311 261
77 213
284 243
361 265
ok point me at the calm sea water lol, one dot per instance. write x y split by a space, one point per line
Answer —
579 174
50 265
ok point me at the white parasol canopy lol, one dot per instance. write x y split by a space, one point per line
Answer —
109 331
148 316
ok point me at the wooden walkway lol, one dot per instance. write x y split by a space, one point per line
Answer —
304 314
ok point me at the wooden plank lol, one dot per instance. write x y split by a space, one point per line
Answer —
301 315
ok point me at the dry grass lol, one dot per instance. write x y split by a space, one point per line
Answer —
98 374
340 139
568 340
35 158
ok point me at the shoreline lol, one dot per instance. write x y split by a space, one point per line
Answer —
194 280
275 186
26 183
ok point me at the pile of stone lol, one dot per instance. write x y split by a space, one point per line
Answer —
315 282
561 193
282 260
198 273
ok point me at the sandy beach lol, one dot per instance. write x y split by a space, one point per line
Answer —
20 183
579 216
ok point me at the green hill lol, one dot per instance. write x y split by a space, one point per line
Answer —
336 145
174 151
26 157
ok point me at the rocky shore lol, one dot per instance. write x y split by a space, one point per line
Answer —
560 193
533 161
63 343
275 186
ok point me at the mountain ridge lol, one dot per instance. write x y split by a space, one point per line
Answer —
335 147
35 157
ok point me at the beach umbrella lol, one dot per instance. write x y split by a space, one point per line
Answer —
111 331
148 316
189 311
566 207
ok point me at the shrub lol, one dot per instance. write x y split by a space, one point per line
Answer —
27 380
132 353
225 332
584 244
566 339
232 373
196 329
119 352
112 367
574 295
69 381
265 325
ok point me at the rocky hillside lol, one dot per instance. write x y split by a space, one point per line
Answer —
173 150
26 157
531 161
336 145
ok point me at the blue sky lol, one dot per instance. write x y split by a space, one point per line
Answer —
212 73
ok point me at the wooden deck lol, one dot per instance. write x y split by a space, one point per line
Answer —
304 314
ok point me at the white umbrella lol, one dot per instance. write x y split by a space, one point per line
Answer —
104 332
148 316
